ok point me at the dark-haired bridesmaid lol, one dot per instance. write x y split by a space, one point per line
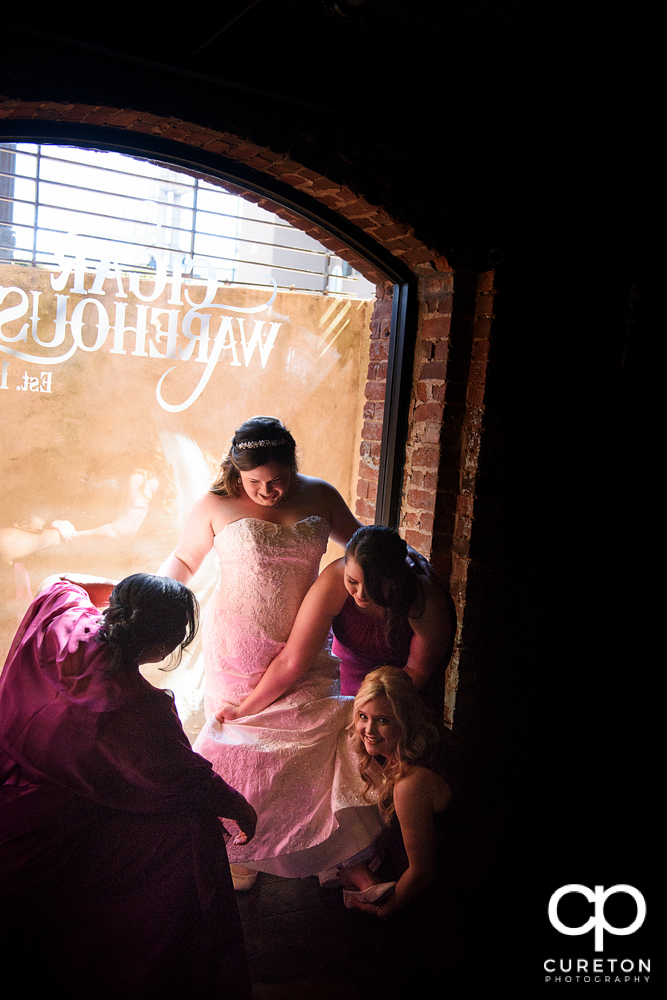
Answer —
384 609
114 880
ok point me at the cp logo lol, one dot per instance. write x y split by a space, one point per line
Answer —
598 897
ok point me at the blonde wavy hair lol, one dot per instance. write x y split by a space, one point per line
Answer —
417 735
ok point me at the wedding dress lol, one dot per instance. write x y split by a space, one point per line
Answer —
292 760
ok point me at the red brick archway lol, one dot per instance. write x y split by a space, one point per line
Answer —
455 313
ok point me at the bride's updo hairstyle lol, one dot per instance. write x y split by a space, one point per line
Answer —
146 612
258 441
417 738
381 553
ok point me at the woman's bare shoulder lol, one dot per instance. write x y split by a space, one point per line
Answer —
328 593
335 570
212 509
435 597
428 580
423 785
207 503
210 499
311 486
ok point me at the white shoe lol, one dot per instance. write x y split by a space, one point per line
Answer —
241 880
374 894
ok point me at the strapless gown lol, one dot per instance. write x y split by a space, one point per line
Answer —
293 760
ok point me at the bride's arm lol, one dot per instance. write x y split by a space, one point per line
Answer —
342 520
343 525
321 604
195 542
326 501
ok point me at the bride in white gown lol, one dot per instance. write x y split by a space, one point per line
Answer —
283 742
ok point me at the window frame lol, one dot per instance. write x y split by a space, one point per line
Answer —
404 313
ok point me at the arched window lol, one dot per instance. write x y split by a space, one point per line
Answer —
145 312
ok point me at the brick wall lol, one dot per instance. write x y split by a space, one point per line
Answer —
457 492
427 411
376 383
455 313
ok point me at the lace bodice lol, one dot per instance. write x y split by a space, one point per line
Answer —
265 571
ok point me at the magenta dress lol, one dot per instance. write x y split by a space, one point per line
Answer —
113 874
360 643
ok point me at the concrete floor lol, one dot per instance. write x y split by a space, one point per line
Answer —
302 942
299 940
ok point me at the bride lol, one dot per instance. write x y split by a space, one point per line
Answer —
269 525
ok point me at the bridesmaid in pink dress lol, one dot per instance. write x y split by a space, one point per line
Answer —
113 875
385 610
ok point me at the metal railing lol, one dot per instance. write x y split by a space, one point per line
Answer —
131 210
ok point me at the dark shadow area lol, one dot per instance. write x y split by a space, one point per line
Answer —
557 668
301 941
533 133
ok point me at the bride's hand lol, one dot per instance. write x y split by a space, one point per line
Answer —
227 713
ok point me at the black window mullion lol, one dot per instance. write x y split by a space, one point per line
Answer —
396 406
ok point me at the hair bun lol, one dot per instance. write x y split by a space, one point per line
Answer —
147 611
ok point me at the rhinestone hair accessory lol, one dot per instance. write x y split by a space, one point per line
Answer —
258 444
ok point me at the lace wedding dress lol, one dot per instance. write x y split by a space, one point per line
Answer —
293 760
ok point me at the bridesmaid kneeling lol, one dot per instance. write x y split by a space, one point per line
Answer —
393 738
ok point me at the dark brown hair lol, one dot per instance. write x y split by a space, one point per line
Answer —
146 611
266 440
381 553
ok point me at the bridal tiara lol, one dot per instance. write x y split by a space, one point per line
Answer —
258 444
